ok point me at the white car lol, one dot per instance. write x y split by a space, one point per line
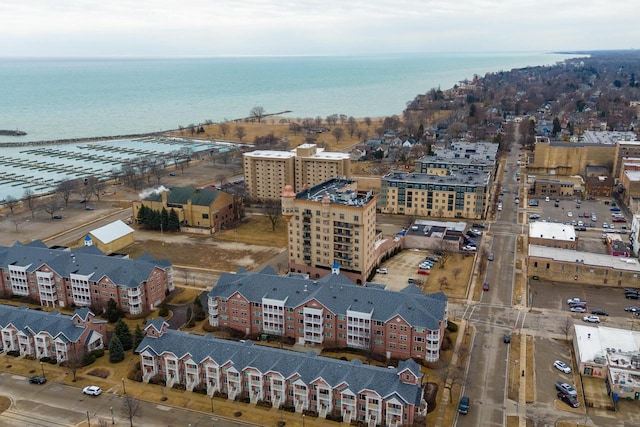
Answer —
561 366
382 271
573 300
591 319
569 214
470 249
92 390
578 309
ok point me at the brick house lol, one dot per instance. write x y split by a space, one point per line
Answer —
331 312
84 277
357 392
54 335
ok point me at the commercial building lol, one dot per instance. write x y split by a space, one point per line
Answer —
84 277
332 224
332 312
267 172
431 235
198 209
462 195
554 188
283 379
458 157
38 334
567 265
610 354
552 234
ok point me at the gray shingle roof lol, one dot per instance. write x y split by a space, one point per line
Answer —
33 321
384 381
122 271
338 294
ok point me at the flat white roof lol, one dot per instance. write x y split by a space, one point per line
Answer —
632 175
273 154
585 258
552 231
595 340
111 232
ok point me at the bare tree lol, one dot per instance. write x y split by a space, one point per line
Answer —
51 205
256 113
565 327
352 125
131 408
95 186
11 202
16 222
456 272
224 128
443 282
240 132
65 188
29 198
367 121
273 210
222 179
74 362
337 133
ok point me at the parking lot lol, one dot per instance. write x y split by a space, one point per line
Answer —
568 212
553 295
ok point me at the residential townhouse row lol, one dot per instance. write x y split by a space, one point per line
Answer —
54 335
375 395
84 277
331 312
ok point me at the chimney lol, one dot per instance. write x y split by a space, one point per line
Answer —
164 198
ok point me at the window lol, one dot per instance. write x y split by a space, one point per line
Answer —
205 216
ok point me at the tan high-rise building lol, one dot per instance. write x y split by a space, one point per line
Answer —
332 227
267 172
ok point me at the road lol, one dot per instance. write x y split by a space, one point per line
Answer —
66 406
493 316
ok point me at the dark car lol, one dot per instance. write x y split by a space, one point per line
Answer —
463 406
477 225
438 252
599 312
57 217
485 286
631 295
506 338
37 380
568 399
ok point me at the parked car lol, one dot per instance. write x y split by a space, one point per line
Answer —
438 252
469 248
569 399
534 216
632 309
92 390
615 209
573 300
57 217
591 319
632 295
477 225
382 271
599 312
88 208
37 380
490 257
425 272
566 388
578 309
463 406
569 214
561 366
485 286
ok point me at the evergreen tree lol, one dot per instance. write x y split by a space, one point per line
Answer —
116 352
141 214
164 219
147 218
174 221
138 336
113 313
189 315
123 333
155 220
556 126
199 313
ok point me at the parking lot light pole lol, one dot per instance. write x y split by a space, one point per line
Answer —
124 389
113 421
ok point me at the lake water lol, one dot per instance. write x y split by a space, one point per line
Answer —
54 99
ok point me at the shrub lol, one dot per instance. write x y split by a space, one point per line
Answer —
157 379
88 359
178 386
452 327
98 353
14 353
163 310
200 388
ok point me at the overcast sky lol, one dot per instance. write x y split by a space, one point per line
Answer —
311 27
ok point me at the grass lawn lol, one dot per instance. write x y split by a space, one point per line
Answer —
257 230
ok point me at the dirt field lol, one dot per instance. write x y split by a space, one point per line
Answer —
456 270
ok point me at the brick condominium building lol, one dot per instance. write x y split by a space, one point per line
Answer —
60 277
331 312
266 172
331 223
357 392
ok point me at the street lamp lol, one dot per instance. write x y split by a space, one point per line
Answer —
212 404
112 419
124 389
302 420
42 368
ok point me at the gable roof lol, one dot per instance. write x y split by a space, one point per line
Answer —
54 323
122 271
181 195
338 294
308 367
111 232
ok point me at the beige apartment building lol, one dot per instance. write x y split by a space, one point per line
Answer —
463 195
266 172
331 226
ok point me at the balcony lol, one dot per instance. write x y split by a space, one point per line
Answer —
134 292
